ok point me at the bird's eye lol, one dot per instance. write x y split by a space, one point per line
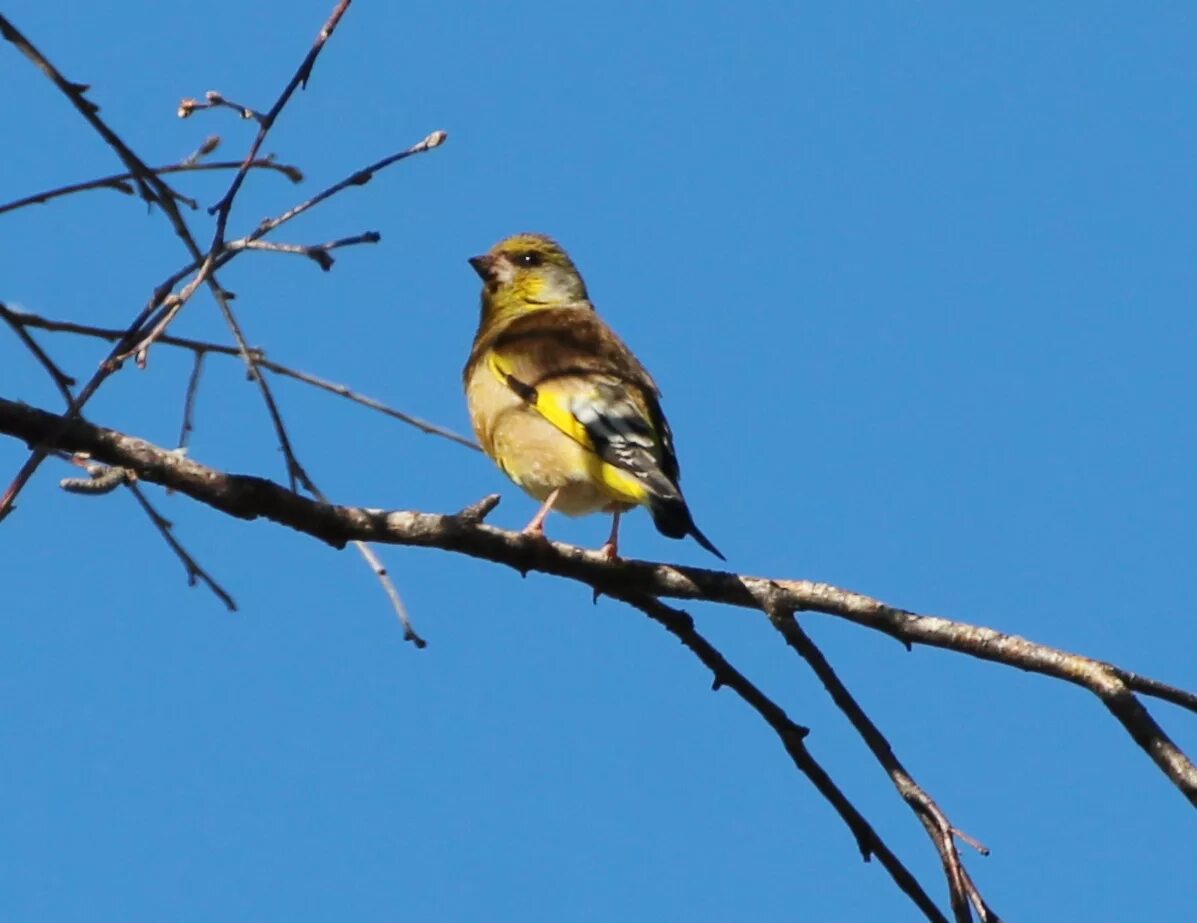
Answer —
529 258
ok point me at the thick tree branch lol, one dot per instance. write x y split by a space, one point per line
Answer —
249 497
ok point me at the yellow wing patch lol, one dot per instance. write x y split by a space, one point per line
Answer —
551 404
623 486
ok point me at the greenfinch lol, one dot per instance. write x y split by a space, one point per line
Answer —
558 401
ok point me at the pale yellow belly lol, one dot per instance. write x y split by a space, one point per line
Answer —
535 454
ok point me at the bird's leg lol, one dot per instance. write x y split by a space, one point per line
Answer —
536 526
611 548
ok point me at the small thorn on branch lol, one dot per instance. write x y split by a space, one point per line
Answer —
475 513
971 841
320 257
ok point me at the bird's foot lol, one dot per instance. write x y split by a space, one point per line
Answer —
534 530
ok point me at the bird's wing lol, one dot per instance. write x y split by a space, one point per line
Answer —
580 377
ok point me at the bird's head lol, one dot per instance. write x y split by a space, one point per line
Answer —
527 272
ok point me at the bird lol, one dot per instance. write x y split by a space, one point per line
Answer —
560 404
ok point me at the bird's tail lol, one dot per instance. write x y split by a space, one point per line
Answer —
672 518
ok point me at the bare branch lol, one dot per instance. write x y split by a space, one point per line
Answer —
152 188
251 497
316 252
120 181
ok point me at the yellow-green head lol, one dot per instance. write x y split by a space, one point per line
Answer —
527 272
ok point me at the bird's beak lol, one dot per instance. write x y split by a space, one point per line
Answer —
483 265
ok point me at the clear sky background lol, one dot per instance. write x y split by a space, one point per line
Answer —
918 284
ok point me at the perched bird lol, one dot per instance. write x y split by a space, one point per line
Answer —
560 403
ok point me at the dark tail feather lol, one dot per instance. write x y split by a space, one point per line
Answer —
672 518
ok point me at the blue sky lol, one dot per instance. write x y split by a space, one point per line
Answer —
918 285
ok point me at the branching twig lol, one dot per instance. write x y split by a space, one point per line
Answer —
939 828
103 479
155 190
152 188
791 735
315 252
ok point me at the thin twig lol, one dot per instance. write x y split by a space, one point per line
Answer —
358 178
388 586
166 530
61 379
318 253
120 181
193 380
295 471
202 346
